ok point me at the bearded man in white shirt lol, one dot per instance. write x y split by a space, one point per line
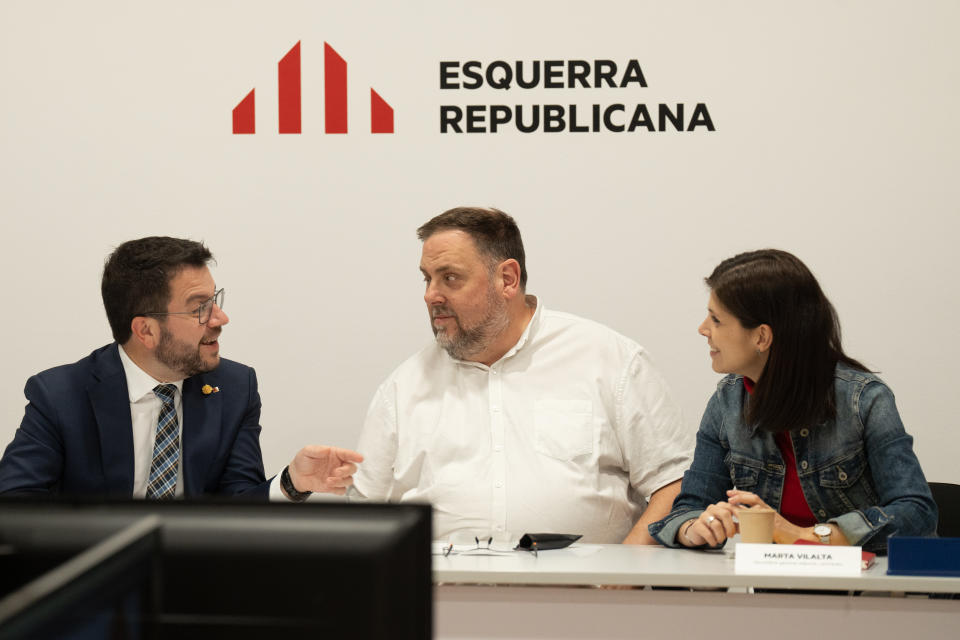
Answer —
519 419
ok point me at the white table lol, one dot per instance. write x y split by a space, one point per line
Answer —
558 595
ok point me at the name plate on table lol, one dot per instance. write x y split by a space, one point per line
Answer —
797 560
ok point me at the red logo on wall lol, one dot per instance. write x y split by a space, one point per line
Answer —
334 98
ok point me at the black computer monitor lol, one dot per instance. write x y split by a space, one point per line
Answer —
247 569
110 590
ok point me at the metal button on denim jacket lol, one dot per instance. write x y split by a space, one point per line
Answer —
857 470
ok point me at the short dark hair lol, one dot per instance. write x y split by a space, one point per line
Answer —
775 288
495 233
137 275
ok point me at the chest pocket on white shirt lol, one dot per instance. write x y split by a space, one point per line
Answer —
563 429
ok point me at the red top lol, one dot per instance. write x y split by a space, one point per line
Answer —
793 504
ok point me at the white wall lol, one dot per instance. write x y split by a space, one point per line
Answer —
836 138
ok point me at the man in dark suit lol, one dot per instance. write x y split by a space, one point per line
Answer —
157 413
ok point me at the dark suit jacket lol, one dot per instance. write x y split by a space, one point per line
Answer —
76 437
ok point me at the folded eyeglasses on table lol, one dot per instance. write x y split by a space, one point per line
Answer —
529 542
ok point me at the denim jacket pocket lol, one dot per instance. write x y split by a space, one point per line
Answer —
744 472
847 482
563 427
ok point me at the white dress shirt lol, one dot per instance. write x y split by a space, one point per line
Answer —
145 409
570 431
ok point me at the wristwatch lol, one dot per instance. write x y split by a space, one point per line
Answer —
289 489
823 532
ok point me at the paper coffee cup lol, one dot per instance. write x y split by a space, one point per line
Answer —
756 525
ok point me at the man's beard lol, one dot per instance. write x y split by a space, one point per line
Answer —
180 357
470 341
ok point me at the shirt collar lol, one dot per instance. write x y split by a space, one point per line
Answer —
139 382
531 327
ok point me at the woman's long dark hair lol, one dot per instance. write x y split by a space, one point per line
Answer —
775 288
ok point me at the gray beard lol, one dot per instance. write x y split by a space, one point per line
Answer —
467 342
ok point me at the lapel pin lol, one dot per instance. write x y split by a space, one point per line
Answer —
207 389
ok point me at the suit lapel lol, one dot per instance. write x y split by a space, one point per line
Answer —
200 431
111 406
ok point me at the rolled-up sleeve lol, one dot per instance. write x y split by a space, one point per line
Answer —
906 506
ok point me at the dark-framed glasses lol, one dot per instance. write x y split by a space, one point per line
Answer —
481 545
202 312
486 546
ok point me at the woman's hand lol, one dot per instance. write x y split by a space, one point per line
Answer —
784 531
746 499
712 528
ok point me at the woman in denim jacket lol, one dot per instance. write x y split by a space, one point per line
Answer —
797 425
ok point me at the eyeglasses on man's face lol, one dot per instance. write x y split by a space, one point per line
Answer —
202 312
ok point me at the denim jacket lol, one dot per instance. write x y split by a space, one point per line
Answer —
857 470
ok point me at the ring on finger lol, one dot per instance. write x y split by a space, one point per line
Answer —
710 519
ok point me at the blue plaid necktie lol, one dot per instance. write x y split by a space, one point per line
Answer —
166 448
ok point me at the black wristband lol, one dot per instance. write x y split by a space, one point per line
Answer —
287 484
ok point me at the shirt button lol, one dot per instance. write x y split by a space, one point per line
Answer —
804 433
494 408
803 465
822 513
499 528
499 484
493 371
499 447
